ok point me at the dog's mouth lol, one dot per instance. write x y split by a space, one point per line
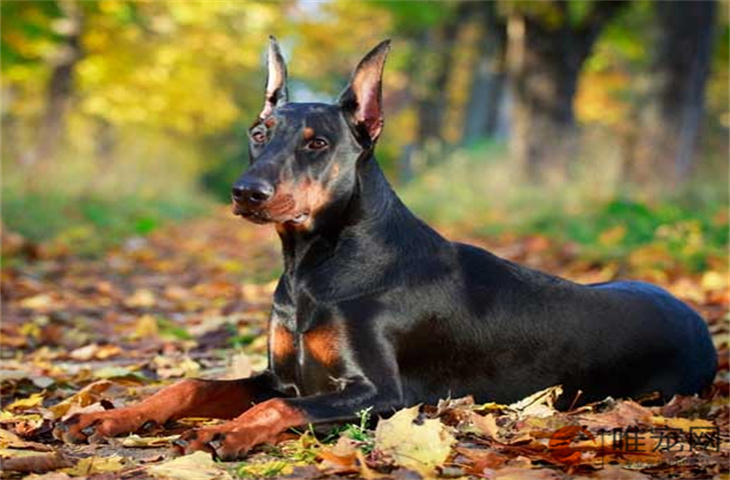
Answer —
261 216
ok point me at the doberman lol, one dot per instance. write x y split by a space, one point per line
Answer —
376 309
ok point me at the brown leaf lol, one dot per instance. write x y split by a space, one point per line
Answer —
36 463
486 425
624 414
88 395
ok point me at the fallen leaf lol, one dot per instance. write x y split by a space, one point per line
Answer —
93 465
95 352
682 423
421 447
86 396
482 459
519 473
486 425
33 401
152 442
614 472
340 458
49 476
37 302
539 404
37 463
146 327
624 414
239 366
10 440
196 466
141 298
171 367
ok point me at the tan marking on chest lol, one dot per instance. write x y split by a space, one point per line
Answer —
324 344
282 343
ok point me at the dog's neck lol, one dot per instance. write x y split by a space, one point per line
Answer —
372 211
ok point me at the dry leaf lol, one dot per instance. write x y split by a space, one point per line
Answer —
34 462
538 404
10 440
419 447
146 327
624 414
169 367
88 395
93 465
519 473
239 366
141 298
33 401
486 425
683 423
152 442
95 352
196 466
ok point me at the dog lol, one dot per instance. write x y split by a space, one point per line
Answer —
376 309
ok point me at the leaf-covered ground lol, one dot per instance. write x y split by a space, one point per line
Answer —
192 300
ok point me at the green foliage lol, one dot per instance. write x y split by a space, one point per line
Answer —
360 432
476 192
90 224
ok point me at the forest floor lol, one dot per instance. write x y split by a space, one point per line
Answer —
192 299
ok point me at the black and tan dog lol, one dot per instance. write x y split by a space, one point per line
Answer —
377 309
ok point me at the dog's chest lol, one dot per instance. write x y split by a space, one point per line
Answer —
307 354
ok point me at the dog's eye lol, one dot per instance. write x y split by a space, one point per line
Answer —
317 144
258 136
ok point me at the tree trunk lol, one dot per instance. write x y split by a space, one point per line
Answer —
485 110
672 116
435 70
60 85
544 61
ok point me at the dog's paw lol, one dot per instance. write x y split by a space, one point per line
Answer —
94 427
223 442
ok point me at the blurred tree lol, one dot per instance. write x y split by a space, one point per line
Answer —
671 115
485 113
548 43
434 69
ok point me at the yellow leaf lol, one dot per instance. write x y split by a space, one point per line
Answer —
683 423
33 401
154 442
141 298
715 281
146 327
95 351
84 397
6 416
9 440
419 447
37 302
93 465
197 466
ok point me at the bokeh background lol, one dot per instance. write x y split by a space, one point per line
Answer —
600 125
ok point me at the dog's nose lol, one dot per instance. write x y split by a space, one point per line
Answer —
252 191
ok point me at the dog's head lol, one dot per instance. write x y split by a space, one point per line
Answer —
304 156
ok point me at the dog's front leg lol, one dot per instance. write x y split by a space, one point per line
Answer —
189 398
264 422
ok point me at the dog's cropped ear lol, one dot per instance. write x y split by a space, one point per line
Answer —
362 98
276 93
